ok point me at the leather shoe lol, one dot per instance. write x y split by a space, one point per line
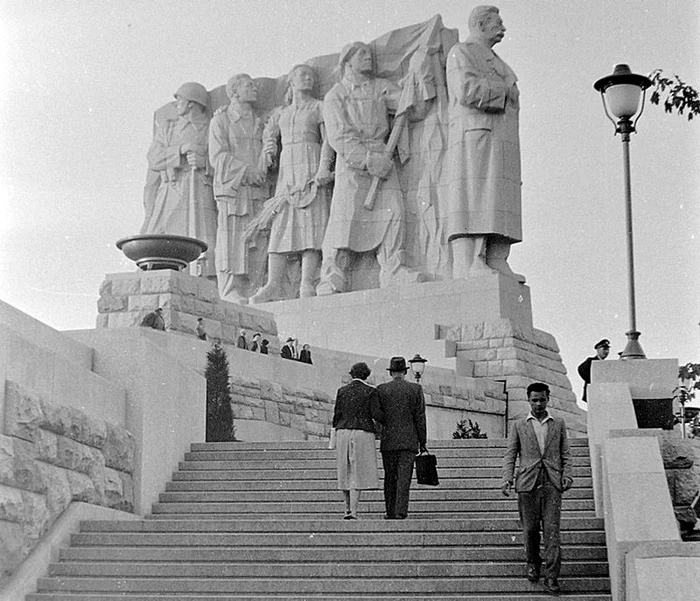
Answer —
552 585
533 574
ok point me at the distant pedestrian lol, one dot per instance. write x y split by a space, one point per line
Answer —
255 343
356 409
602 350
540 441
154 320
199 330
288 351
242 341
404 434
264 350
305 354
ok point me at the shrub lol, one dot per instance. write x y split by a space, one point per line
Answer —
468 429
219 415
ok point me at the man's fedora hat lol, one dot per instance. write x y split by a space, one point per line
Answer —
604 343
397 364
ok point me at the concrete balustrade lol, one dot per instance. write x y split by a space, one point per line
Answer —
647 558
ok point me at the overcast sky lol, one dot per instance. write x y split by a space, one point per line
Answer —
81 79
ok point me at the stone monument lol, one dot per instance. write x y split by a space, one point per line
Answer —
425 204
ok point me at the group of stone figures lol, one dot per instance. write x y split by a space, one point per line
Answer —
407 170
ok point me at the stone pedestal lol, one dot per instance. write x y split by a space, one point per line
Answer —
125 298
480 327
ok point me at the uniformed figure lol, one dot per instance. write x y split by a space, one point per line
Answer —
240 188
184 202
602 350
483 155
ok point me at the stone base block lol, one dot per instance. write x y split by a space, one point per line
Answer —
125 298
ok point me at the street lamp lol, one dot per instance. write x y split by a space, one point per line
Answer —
417 366
620 93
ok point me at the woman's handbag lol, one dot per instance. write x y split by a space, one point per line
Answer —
331 440
426 469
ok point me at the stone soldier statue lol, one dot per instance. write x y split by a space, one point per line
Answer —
356 115
483 155
184 202
240 188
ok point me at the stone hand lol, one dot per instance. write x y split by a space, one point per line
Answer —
379 165
254 177
566 483
323 176
191 147
196 160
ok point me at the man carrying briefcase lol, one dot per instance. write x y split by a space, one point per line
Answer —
403 434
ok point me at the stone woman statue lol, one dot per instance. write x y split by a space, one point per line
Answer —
299 209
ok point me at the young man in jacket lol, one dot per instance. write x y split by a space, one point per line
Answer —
541 442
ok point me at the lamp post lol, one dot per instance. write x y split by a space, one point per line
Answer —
417 366
620 93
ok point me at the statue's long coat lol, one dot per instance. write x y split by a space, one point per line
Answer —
483 156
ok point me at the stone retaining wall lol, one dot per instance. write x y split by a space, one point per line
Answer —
311 411
51 455
500 349
681 459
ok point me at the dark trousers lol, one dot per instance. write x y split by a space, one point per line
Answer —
541 507
398 471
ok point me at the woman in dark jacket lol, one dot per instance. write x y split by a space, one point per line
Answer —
356 409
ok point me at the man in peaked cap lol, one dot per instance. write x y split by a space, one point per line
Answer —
184 204
602 349
404 433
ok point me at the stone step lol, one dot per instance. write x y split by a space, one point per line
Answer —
364 514
418 493
333 569
313 481
472 488
315 526
345 538
260 506
577 453
308 586
231 461
255 521
538 595
591 553
233 472
322 444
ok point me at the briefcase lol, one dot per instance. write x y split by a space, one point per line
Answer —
426 469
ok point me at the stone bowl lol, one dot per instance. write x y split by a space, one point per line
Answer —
161 251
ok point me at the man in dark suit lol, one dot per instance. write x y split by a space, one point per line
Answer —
287 351
404 433
541 442
602 350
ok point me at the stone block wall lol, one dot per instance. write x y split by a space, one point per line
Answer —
502 350
125 298
681 459
311 411
51 455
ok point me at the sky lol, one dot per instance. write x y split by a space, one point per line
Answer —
79 81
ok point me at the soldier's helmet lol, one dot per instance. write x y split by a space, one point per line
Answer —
193 91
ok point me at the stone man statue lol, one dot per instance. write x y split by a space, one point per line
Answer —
483 155
240 188
184 201
356 115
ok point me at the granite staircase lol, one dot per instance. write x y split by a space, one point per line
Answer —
262 521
